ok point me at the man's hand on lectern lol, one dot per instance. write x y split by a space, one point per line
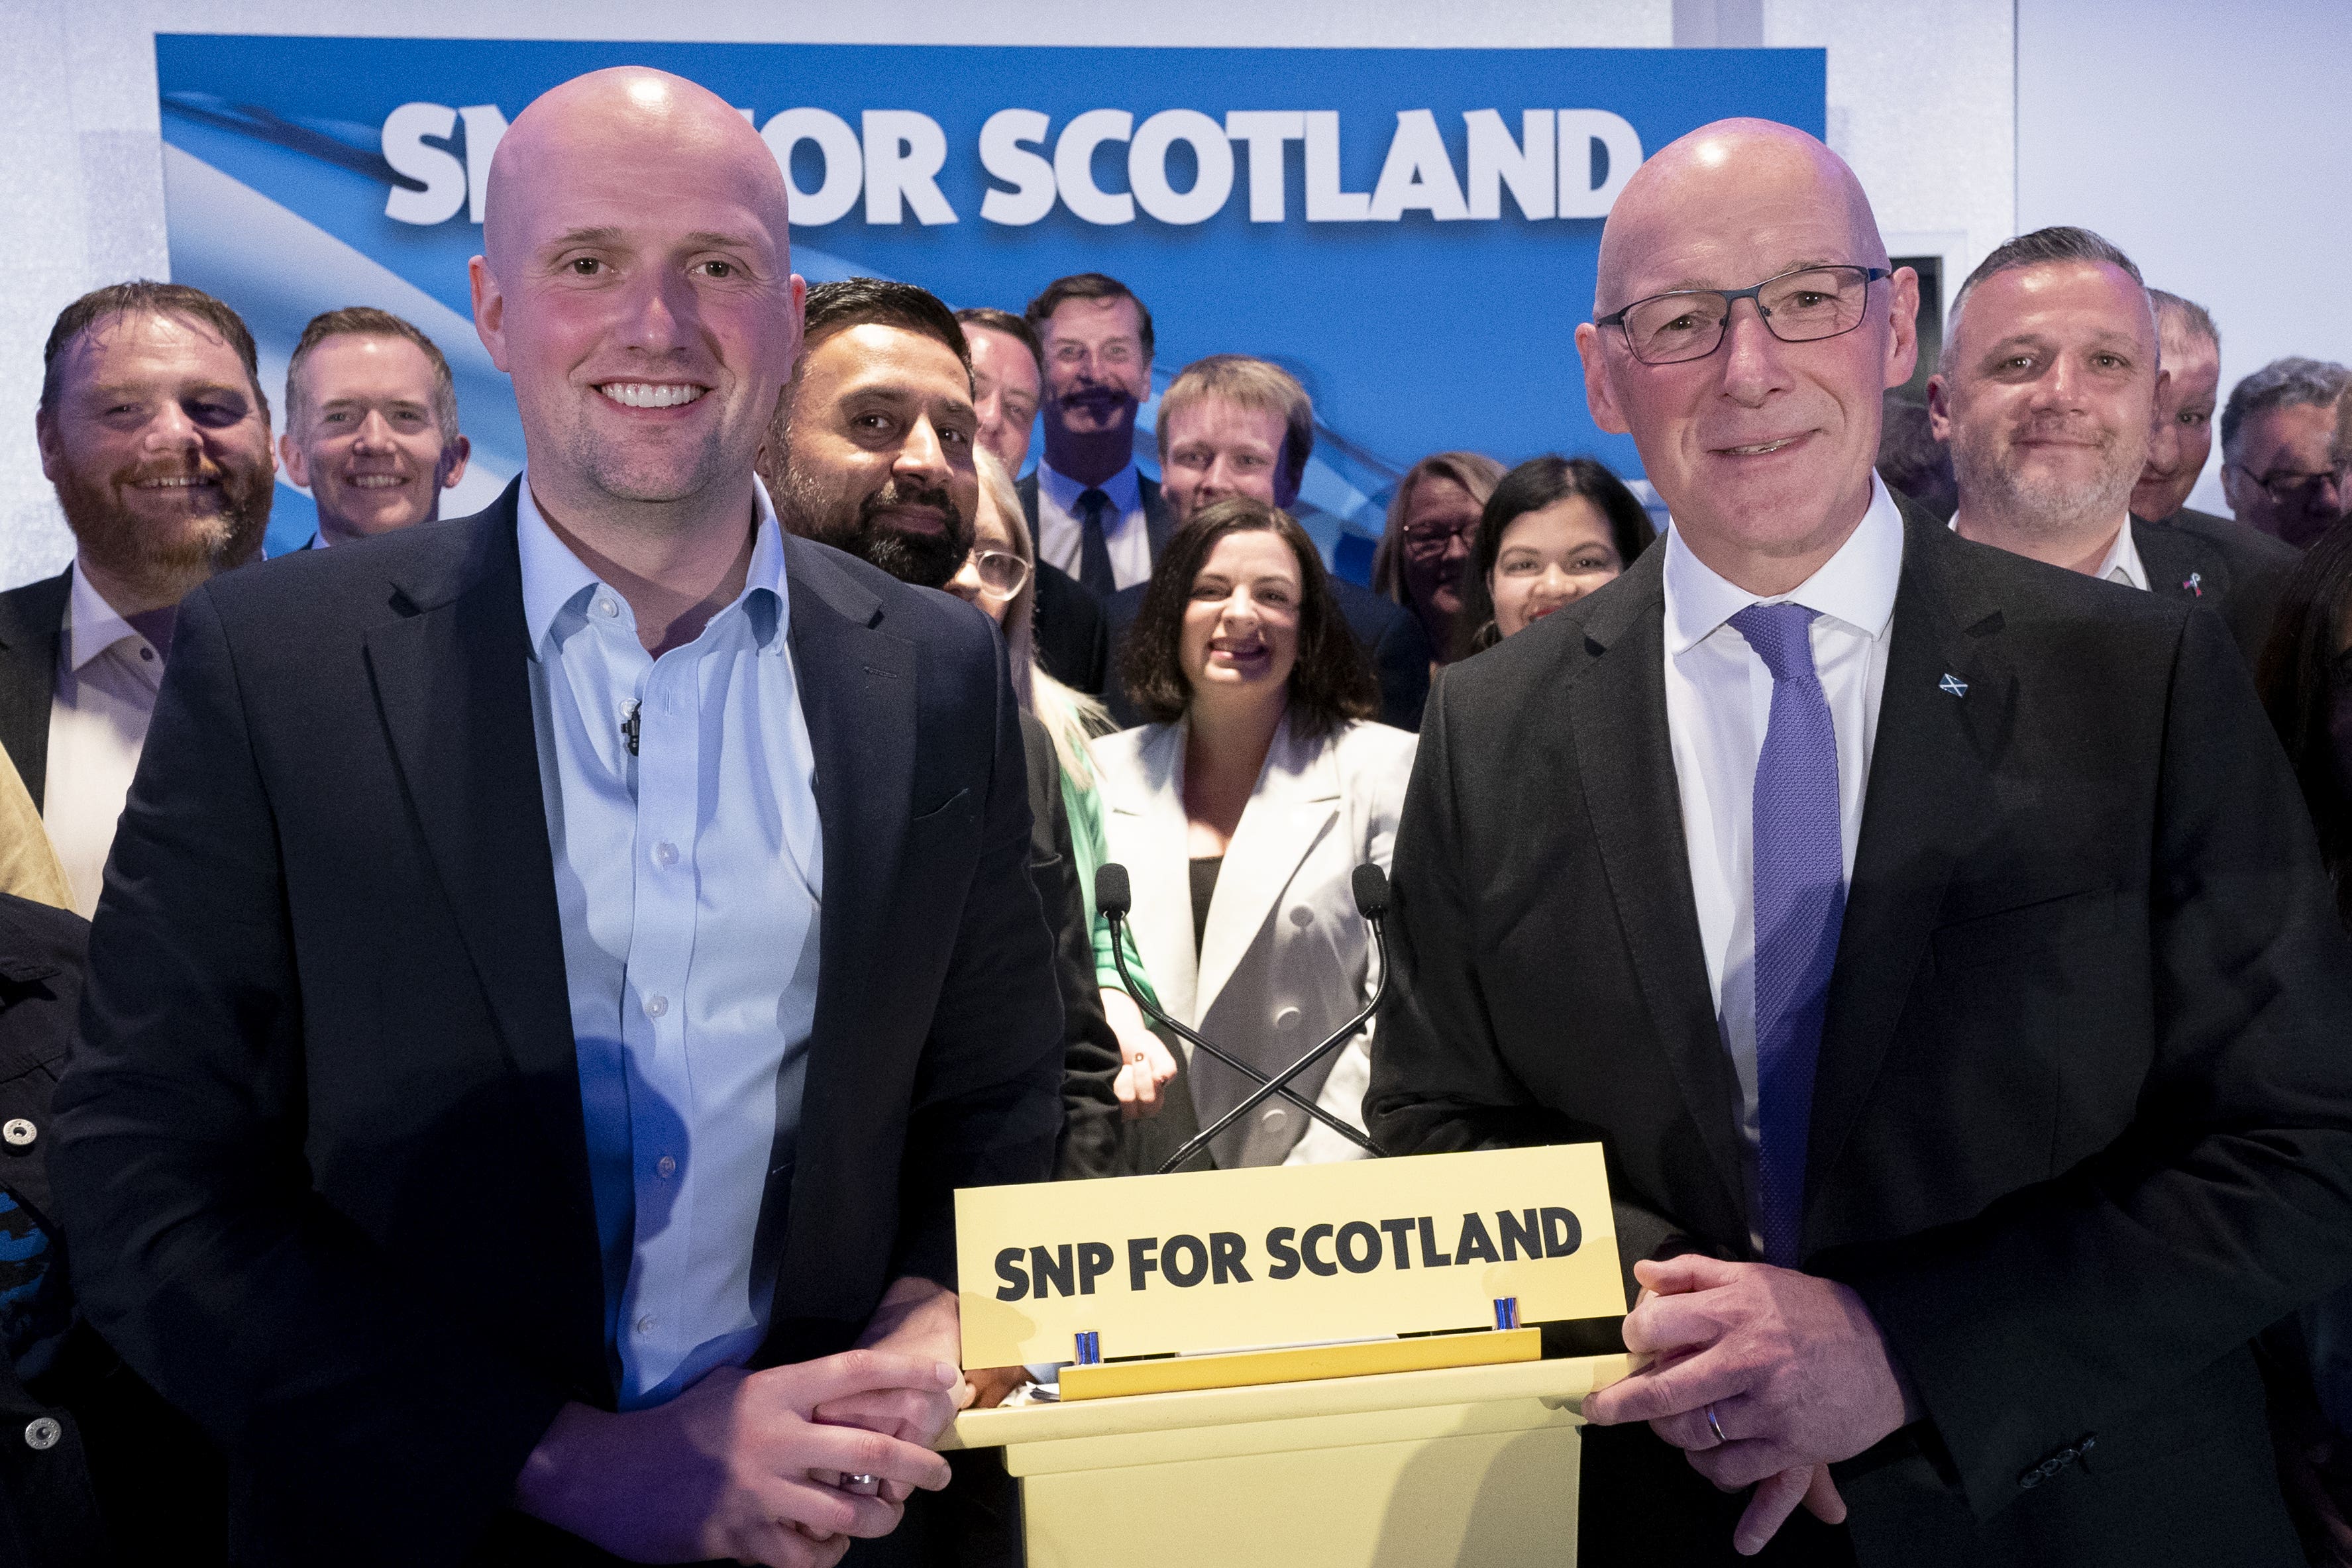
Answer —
1791 1369
917 1318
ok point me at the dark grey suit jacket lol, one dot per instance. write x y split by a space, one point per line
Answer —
32 622
2235 571
320 1149
2082 1119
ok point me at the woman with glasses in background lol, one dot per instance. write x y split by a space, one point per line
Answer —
1432 520
1555 530
1000 576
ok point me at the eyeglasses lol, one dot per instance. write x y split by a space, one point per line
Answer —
2292 489
1002 573
1431 539
1803 305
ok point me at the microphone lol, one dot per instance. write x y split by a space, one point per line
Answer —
1370 886
1115 898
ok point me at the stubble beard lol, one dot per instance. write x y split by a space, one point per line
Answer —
2039 506
854 525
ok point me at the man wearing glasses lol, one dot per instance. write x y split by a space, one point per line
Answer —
2277 470
1932 940
2048 394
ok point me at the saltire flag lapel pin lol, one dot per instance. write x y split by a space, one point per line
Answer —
1954 685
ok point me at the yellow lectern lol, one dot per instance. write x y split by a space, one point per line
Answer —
1247 1453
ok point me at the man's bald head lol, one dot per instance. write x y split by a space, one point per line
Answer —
636 284
1762 449
628 106
1690 177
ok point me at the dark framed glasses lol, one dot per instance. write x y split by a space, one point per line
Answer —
2294 489
1800 305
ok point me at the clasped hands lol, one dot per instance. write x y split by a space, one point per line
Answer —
749 1465
1794 1370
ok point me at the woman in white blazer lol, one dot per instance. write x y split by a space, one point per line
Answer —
1241 814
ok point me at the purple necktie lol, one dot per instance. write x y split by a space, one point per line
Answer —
1800 903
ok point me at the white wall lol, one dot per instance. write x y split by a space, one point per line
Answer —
2212 142
1920 98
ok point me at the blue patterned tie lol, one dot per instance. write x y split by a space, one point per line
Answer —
1800 904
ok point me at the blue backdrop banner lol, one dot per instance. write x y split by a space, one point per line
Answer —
1411 232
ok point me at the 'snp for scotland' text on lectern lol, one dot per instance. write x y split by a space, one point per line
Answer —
1313 1364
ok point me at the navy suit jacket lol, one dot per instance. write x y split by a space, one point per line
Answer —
320 1148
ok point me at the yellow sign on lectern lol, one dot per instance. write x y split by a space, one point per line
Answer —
1219 1261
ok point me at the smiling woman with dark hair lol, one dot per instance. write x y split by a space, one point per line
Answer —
1241 814
1555 530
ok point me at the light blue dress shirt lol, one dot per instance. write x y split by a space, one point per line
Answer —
681 807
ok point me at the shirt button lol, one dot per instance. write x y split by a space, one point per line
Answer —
647 1323
42 1433
667 1166
1302 916
607 607
19 1133
148 655
657 1005
666 854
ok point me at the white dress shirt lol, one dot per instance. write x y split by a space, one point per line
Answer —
2121 563
107 676
689 866
1061 537
1718 705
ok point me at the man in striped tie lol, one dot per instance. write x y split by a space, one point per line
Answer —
1932 938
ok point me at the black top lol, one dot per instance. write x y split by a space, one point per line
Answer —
1204 888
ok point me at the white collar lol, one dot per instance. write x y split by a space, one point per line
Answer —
1855 586
2121 563
1124 488
92 624
552 576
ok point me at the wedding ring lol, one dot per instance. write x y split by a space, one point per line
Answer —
1714 1426
863 1485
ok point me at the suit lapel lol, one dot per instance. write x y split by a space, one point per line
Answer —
32 621
1293 805
1617 709
1157 520
857 693
1159 878
2178 566
451 680
1928 792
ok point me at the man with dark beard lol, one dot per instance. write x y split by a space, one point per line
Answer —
870 449
2050 378
153 428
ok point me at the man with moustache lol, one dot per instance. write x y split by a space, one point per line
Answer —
2048 391
2279 469
1095 514
1935 942
1234 426
155 432
1007 380
564 962
371 424
2183 436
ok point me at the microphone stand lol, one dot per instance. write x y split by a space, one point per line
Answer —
1117 919
1276 1084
